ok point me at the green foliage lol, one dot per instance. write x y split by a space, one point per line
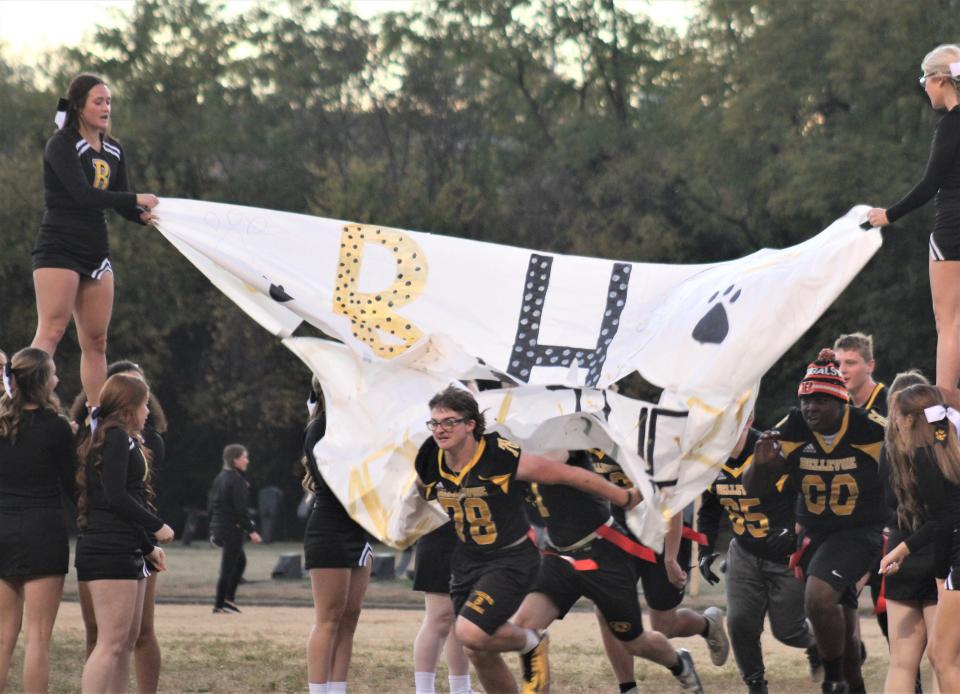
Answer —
570 126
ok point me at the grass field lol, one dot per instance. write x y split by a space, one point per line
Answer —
262 650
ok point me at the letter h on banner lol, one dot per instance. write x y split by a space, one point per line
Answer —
527 351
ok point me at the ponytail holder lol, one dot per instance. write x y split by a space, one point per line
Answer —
941 417
7 382
94 419
955 70
61 117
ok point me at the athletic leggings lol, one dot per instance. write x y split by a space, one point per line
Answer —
232 563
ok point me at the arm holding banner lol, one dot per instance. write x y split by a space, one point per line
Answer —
548 469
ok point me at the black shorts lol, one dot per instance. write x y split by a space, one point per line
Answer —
916 580
95 563
487 587
333 540
612 585
86 254
431 573
841 558
33 542
944 246
658 592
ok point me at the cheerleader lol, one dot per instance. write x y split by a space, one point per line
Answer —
37 462
338 556
118 528
84 173
925 465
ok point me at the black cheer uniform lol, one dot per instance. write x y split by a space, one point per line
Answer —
941 179
941 527
840 504
120 524
917 577
79 183
34 469
494 562
659 593
332 540
579 561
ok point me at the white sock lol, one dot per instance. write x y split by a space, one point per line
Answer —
533 638
426 682
336 688
460 684
317 688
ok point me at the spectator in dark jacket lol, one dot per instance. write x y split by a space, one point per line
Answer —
230 521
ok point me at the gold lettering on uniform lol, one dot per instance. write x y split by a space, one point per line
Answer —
475 492
732 489
477 600
828 465
374 314
509 446
620 627
101 174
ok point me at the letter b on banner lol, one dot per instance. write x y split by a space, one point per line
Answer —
374 314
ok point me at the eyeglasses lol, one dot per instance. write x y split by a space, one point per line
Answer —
444 424
923 80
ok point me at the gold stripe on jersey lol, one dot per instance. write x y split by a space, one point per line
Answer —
788 447
736 472
502 481
457 478
875 416
782 481
838 437
874 394
871 449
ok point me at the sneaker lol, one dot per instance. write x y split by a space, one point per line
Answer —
757 686
219 610
689 679
536 667
815 664
716 637
834 687
230 606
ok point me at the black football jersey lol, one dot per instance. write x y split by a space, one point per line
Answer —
483 500
610 469
569 514
837 477
751 517
877 401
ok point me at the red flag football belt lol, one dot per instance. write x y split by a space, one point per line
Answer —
629 546
692 535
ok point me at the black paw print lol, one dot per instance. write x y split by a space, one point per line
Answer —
714 326
278 294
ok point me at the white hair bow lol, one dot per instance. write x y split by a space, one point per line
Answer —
955 70
61 117
937 413
7 385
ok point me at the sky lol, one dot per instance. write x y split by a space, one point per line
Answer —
30 27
